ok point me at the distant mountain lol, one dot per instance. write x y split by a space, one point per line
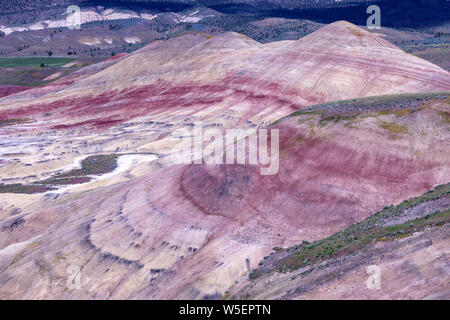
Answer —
395 13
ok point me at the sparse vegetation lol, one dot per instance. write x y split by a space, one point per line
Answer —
64 181
445 116
378 227
10 122
21 188
383 105
393 127
92 165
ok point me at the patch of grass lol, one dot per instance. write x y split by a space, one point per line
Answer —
35 61
193 33
393 127
93 165
25 189
27 76
357 33
65 181
406 111
445 116
10 122
28 72
332 118
254 274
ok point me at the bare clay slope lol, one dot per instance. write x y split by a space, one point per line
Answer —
158 230
191 231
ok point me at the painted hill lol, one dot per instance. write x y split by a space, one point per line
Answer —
339 61
110 201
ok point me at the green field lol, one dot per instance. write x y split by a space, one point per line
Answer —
31 72
48 61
